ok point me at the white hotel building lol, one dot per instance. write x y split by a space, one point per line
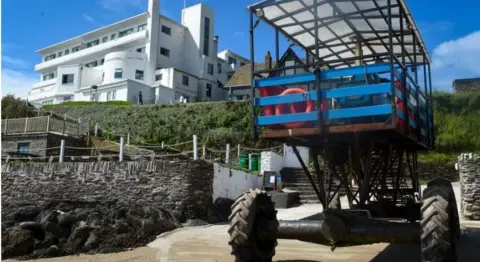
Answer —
149 52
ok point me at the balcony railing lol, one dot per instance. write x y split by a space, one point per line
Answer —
43 124
142 35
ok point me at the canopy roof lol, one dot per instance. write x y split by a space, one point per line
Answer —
339 24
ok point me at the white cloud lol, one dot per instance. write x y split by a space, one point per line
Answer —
457 58
121 5
15 62
17 83
89 18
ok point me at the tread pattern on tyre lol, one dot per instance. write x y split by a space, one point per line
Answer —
436 240
245 210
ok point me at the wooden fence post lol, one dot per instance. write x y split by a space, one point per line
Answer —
128 138
26 124
195 147
163 144
120 156
5 128
227 154
48 123
204 152
249 161
62 150
96 129
238 151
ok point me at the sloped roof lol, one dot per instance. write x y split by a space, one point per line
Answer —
466 85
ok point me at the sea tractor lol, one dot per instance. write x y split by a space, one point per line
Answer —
361 101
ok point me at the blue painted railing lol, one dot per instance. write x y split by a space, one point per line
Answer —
418 106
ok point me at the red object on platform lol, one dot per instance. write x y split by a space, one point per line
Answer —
298 107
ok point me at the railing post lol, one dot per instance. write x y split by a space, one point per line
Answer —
120 155
249 161
163 145
48 124
62 150
204 152
5 131
238 151
26 125
96 129
195 147
227 154
128 138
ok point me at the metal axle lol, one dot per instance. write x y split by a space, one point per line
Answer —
343 229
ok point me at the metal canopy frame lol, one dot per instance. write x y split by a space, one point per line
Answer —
330 29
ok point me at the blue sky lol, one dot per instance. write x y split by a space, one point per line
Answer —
450 29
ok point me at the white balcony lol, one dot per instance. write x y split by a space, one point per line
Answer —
101 49
44 84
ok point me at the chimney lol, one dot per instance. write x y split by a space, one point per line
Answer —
268 60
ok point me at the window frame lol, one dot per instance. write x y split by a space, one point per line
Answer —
137 74
93 64
19 147
210 69
159 77
187 82
163 50
93 43
65 79
118 71
125 32
208 90
105 39
206 36
167 31
141 27
75 49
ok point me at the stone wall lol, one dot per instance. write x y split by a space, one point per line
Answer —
39 143
182 186
469 168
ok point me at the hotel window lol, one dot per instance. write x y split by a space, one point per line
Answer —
76 49
210 69
118 73
164 52
125 32
113 36
141 50
219 68
48 102
48 76
166 30
92 64
60 54
185 80
139 74
141 27
50 57
109 96
67 79
93 43
158 77
102 61
232 60
67 51
209 90
105 39
114 94
206 36
23 148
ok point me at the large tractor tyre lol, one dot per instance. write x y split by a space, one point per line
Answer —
253 226
438 235
335 202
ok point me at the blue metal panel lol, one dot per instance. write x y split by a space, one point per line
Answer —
285 80
356 70
423 118
287 118
275 100
401 114
356 90
326 94
399 94
412 123
358 111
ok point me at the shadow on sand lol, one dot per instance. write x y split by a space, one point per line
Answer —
468 249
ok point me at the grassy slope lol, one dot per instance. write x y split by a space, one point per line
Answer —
457 123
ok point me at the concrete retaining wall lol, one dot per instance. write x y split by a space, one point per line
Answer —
230 183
